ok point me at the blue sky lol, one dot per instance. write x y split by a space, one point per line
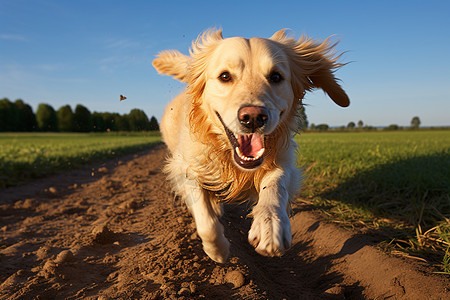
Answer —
89 52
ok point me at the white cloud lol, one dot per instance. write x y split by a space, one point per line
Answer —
51 67
13 37
111 59
122 43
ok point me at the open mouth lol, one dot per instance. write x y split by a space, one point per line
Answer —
248 149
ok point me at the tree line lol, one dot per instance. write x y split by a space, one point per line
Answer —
360 126
19 116
351 126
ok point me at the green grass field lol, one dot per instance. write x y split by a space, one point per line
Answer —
395 185
32 155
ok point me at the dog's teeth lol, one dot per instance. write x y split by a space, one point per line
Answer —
240 154
238 151
260 153
246 158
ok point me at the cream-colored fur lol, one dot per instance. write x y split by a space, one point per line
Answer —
202 165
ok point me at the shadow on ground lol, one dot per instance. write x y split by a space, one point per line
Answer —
412 190
298 274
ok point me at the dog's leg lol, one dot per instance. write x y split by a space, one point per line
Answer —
204 212
208 225
270 232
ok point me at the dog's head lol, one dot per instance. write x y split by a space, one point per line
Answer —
247 88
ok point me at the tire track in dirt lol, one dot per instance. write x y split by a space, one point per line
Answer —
114 230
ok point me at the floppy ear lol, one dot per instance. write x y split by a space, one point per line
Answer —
313 64
172 62
201 51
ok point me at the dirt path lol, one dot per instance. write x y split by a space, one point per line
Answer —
114 230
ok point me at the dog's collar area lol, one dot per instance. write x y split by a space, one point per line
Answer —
248 150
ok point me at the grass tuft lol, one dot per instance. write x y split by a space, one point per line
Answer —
395 185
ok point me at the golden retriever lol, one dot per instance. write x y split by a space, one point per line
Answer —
230 134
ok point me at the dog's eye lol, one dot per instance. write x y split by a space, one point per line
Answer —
275 77
225 77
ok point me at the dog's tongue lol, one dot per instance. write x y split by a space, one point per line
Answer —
250 144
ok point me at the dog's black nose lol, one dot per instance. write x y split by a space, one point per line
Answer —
253 117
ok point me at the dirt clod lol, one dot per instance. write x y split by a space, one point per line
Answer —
29 204
53 190
102 235
192 287
43 252
336 290
194 236
103 170
49 269
64 256
236 278
184 292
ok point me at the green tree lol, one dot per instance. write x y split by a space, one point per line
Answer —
392 127
351 125
122 123
82 119
415 122
360 124
98 123
153 126
303 118
46 117
65 118
25 118
322 127
138 120
109 121
7 115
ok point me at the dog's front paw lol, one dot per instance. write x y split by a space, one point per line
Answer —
270 233
218 251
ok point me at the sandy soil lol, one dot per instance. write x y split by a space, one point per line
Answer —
114 230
